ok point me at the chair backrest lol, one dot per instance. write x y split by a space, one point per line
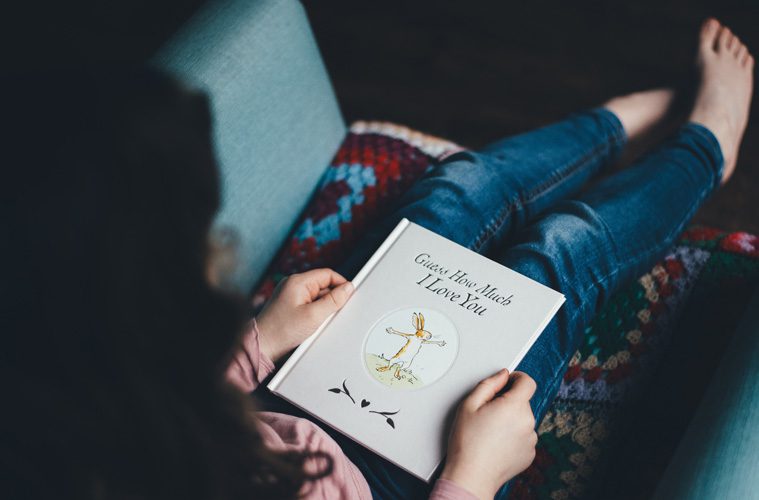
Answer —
277 123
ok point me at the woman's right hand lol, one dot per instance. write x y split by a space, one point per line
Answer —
493 437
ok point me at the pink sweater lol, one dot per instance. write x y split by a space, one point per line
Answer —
285 432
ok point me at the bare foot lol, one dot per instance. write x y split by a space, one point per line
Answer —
724 96
641 112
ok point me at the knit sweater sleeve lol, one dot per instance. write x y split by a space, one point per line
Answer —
249 366
448 490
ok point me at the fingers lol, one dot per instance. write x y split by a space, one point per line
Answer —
315 280
522 386
331 301
486 390
323 277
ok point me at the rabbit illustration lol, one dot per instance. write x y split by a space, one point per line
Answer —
414 341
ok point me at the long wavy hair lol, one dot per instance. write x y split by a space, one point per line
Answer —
114 344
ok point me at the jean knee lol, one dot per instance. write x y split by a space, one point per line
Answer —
575 228
570 250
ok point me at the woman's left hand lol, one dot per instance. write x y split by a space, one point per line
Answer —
298 306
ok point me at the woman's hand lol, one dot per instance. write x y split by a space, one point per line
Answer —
298 306
493 437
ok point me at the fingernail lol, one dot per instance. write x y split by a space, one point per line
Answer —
349 287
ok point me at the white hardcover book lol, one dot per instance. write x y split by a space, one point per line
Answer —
427 321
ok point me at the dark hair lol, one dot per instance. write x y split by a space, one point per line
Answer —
115 345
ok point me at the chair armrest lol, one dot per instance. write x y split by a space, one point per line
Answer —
718 456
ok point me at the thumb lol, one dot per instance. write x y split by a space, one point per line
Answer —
486 390
332 301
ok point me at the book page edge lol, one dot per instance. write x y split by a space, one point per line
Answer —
538 332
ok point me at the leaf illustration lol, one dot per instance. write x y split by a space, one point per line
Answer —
386 413
391 423
364 403
344 390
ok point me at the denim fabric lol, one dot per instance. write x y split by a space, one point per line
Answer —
517 201
589 246
478 199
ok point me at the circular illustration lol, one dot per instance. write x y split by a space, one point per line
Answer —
410 348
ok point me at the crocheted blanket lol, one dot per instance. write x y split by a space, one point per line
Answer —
586 426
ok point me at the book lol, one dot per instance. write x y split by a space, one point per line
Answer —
428 320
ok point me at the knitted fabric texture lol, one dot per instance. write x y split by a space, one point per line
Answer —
585 425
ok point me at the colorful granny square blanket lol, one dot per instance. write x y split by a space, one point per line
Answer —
579 436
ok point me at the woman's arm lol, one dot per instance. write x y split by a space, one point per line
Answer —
250 366
448 490
493 437
298 306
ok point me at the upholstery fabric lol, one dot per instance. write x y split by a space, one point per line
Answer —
277 122
719 455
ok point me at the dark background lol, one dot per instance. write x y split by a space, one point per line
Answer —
476 71
470 71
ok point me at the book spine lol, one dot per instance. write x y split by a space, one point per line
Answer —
357 280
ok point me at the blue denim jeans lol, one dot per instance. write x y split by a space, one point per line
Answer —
517 202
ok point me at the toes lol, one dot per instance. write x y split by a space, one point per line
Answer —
724 39
740 53
709 31
739 48
720 38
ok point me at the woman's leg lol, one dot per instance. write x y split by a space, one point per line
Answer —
587 248
478 198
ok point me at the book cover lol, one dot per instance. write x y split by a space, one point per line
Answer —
427 321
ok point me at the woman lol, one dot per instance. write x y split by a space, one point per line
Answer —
126 373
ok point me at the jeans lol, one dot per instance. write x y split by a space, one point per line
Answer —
517 202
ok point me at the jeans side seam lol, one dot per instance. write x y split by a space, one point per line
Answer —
556 180
492 227
617 137
715 148
614 139
521 201
665 242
